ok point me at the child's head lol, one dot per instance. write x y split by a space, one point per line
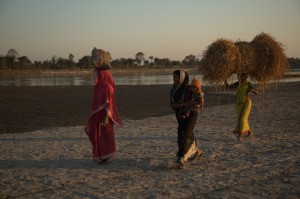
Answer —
196 86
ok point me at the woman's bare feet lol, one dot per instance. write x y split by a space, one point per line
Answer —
180 163
199 153
249 134
106 161
239 137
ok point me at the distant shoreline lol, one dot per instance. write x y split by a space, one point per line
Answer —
116 71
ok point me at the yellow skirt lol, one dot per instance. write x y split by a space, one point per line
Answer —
243 112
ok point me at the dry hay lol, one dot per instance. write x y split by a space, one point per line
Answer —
263 59
247 61
101 59
270 59
219 61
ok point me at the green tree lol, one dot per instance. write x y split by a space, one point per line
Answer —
175 63
24 62
11 58
12 53
190 60
294 62
84 62
162 62
46 64
130 61
61 63
71 57
3 64
123 62
53 62
70 61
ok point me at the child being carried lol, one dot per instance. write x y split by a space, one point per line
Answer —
195 101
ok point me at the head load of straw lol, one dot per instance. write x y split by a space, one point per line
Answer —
101 59
219 61
246 64
270 59
263 59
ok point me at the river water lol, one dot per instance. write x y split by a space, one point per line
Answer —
69 79
82 79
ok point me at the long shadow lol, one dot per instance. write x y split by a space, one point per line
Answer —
38 139
45 164
117 165
80 139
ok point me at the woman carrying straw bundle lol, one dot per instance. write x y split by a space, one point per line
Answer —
243 104
100 127
179 96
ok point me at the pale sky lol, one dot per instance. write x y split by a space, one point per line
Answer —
171 29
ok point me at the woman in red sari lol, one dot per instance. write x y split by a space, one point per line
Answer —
100 127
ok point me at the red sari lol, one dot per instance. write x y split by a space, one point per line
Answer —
103 138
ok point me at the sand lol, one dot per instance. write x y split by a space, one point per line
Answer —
56 162
29 108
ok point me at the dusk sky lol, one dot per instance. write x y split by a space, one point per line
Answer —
171 29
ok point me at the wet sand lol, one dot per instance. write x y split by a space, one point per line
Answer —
32 108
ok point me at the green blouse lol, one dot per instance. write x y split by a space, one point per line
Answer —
242 90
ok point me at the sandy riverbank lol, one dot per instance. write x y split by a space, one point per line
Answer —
56 162
32 108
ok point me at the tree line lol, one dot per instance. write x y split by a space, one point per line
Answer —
13 61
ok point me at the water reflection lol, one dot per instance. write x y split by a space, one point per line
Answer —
87 79
43 80
80 79
143 79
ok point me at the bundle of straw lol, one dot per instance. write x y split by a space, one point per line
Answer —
270 59
263 59
219 62
101 58
247 61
